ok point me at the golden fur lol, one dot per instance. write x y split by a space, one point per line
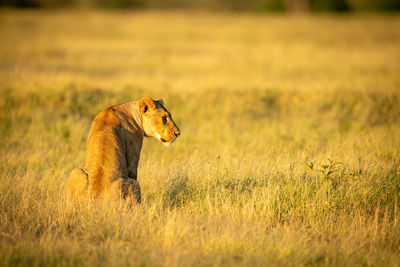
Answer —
113 148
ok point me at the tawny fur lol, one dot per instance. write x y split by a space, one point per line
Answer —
113 149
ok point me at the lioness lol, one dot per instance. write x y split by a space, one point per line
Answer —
113 148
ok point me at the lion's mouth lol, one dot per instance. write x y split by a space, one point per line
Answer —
167 143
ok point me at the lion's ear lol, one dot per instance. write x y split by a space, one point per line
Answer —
161 101
145 104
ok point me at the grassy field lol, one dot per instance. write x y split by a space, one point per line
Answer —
290 145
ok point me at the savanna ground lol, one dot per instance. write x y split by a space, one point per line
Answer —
290 145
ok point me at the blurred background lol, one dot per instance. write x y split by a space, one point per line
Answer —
236 5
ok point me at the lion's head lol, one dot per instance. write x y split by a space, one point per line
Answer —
157 121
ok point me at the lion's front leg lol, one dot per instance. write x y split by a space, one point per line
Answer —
127 188
130 188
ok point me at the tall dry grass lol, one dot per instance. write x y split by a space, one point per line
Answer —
290 145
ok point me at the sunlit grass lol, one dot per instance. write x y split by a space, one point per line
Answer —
290 145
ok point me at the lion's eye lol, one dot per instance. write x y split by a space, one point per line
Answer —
164 119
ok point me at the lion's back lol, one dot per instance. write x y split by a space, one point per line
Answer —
105 155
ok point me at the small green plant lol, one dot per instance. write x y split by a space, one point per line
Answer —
328 170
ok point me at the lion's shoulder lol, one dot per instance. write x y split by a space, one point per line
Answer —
107 118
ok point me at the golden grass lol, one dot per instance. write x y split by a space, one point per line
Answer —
290 145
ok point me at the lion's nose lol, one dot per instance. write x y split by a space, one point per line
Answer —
177 133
